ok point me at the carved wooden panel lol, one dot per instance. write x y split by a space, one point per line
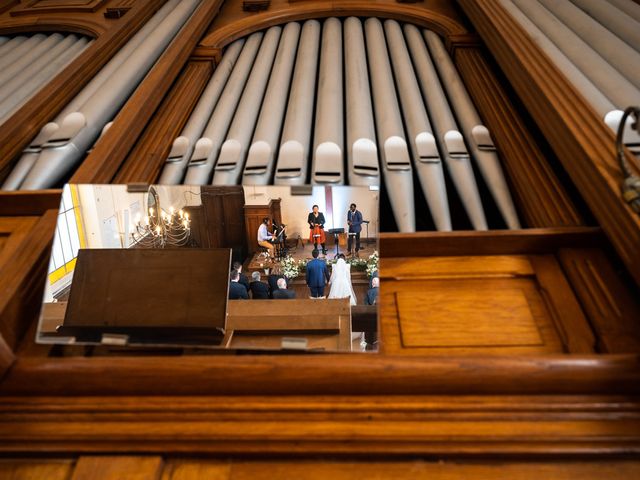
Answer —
481 304
31 7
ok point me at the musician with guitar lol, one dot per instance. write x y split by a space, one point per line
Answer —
316 226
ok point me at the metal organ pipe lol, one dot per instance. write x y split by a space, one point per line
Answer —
31 153
328 160
629 7
234 149
182 147
80 129
396 163
24 61
362 151
476 134
449 138
264 145
619 54
612 84
293 155
20 46
426 158
207 147
624 26
38 72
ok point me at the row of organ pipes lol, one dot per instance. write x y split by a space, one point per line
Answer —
277 110
28 62
62 143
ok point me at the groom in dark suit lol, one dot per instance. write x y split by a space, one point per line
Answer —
317 275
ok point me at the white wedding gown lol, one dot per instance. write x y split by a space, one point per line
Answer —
341 282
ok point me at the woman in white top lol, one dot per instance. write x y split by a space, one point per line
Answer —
341 281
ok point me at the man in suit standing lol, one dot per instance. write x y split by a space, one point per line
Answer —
372 294
259 290
354 220
237 290
282 293
317 275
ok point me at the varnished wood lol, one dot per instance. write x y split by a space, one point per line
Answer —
341 426
111 150
612 306
21 282
325 374
541 199
233 23
542 240
25 123
29 202
36 469
118 468
581 140
147 157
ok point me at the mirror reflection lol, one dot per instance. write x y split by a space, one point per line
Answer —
253 267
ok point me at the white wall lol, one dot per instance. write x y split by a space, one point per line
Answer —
295 208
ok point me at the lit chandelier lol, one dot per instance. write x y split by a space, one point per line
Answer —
159 229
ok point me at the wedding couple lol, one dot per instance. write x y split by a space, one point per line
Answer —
317 276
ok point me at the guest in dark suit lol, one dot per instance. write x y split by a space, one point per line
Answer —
273 278
244 281
259 290
237 290
372 294
373 275
317 275
354 219
282 293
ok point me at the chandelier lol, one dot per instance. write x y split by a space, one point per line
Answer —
159 228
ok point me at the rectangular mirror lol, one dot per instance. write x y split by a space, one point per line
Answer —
253 267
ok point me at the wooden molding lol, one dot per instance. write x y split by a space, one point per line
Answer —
612 309
580 139
147 157
328 374
342 426
111 150
225 31
540 197
25 123
38 7
29 202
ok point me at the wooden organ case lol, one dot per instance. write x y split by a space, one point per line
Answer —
532 363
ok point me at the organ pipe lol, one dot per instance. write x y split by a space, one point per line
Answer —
619 54
422 143
31 153
624 26
448 136
629 7
612 84
206 149
396 164
328 160
293 155
19 47
182 147
38 72
477 135
81 128
362 152
234 149
264 144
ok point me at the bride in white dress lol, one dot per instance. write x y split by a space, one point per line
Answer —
341 281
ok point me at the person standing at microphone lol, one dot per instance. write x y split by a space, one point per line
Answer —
354 220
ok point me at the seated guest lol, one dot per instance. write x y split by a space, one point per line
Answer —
373 275
273 278
372 294
282 292
244 281
237 290
259 290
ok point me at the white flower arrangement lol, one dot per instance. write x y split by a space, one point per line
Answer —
372 263
290 268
